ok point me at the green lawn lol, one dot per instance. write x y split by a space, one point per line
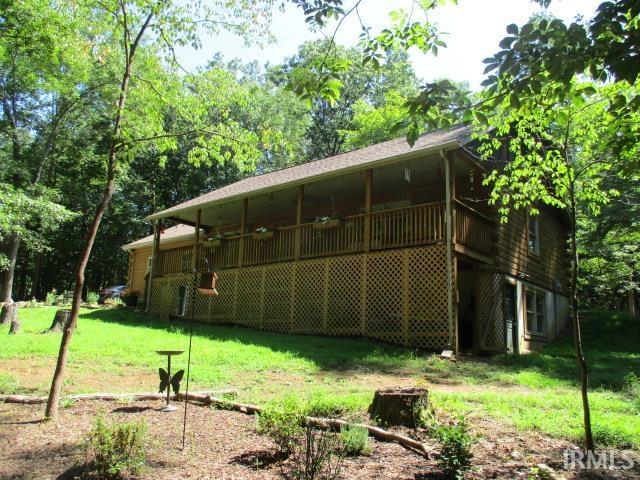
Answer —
114 350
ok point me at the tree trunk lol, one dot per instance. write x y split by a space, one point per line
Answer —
9 273
51 411
398 406
577 334
9 313
59 321
632 301
35 286
15 321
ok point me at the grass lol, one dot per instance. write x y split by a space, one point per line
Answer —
114 350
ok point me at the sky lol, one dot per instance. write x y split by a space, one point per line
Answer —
474 29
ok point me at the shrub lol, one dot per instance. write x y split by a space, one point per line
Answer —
113 302
455 455
355 440
51 297
282 422
130 299
314 457
116 449
92 298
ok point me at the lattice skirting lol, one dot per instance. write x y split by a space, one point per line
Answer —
399 296
490 286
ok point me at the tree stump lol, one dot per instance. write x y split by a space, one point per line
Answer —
59 321
398 406
9 313
15 324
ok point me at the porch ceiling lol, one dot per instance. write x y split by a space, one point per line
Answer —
357 160
342 194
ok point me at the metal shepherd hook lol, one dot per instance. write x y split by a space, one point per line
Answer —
211 290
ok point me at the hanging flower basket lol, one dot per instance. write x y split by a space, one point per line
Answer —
263 233
325 223
214 241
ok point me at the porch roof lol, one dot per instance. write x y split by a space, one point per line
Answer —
381 153
172 234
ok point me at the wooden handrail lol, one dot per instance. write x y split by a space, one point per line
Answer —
395 228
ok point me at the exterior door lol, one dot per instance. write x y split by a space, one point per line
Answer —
511 323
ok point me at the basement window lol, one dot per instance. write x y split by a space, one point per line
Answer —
533 232
536 312
182 301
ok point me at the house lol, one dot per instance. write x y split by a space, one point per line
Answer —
392 242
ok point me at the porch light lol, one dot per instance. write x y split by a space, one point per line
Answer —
208 284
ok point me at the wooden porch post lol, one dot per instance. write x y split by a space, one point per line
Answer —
449 234
243 230
298 232
154 263
196 244
367 209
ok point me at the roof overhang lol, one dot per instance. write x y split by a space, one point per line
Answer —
174 214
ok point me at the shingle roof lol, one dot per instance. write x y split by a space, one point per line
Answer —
169 234
353 160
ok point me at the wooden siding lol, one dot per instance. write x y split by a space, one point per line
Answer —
139 269
547 269
139 262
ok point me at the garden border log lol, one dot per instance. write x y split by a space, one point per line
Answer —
207 399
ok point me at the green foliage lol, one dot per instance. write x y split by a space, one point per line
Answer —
8 384
314 456
283 423
332 98
51 297
116 450
92 298
355 440
455 453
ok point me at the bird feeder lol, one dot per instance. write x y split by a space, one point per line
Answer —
208 284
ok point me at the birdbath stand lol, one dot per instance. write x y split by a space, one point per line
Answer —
166 381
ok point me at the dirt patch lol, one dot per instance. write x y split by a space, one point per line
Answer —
224 445
34 377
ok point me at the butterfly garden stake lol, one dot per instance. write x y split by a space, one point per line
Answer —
167 382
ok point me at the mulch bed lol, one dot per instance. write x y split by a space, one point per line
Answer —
224 445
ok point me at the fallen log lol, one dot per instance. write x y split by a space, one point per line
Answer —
329 424
107 397
375 432
206 398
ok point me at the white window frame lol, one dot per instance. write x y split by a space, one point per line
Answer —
533 234
181 305
532 310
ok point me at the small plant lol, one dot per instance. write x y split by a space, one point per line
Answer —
455 455
92 298
113 302
314 457
355 440
67 402
51 297
116 449
325 219
283 424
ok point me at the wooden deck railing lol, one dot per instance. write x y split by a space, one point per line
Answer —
278 248
473 229
319 241
403 227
